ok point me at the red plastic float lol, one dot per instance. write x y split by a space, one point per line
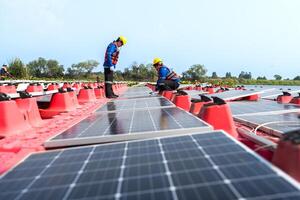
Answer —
197 104
32 87
284 98
218 114
182 100
12 120
287 154
168 94
86 95
296 100
60 102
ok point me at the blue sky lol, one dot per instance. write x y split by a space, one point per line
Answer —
261 36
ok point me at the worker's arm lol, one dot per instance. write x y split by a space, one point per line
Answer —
110 50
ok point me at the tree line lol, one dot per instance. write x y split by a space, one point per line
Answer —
41 68
51 68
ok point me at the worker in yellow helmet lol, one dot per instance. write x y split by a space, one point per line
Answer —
4 72
111 59
167 79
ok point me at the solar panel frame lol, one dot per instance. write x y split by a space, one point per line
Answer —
174 189
267 125
59 140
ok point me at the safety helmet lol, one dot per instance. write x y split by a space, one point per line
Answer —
122 39
157 61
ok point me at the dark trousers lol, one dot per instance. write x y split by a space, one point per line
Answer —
108 78
168 85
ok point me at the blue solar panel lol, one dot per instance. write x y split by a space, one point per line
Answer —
261 107
194 166
138 103
276 124
126 125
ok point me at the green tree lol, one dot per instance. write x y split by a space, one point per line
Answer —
277 77
54 69
261 78
17 68
228 75
37 68
194 73
214 75
245 75
84 68
297 78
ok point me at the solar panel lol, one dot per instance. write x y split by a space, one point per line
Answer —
129 125
194 93
140 95
276 124
195 166
234 94
261 107
274 93
142 103
137 92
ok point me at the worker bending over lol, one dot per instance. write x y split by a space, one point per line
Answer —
167 79
4 73
111 59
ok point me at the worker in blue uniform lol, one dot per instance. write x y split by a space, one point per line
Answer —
167 79
4 72
111 59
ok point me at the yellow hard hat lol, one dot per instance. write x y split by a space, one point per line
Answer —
156 61
123 39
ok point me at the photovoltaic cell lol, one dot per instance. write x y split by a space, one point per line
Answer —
181 167
276 124
126 125
261 107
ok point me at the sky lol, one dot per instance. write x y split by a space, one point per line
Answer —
259 36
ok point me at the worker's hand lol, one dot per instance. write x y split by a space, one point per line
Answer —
112 68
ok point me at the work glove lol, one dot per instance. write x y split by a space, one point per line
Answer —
112 68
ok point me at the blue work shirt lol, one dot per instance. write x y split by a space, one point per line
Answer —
163 72
108 61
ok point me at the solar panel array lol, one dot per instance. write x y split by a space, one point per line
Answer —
276 124
130 124
140 103
261 107
195 166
